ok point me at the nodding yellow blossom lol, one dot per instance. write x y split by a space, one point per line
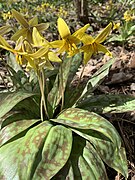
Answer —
92 46
128 16
116 26
27 26
7 15
68 42
17 51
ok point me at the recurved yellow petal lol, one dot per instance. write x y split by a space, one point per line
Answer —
42 26
102 36
103 49
57 43
20 32
19 43
41 52
46 64
53 57
87 53
20 18
33 21
63 28
7 48
38 40
87 39
80 32
4 29
4 43
31 64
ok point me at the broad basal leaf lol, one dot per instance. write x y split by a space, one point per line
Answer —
109 103
55 153
96 79
20 158
9 100
15 130
84 163
107 150
100 133
82 119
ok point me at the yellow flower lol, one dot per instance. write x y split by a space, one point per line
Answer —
7 15
18 51
92 46
27 26
128 16
42 57
116 26
68 42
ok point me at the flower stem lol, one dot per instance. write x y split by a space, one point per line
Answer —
61 86
80 78
41 79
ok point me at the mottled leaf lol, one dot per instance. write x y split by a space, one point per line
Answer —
9 133
108 151
20 158
108 103
60 83
85 161
75 63
96 79
83 119
65 173
16 115
55 153
73 93
9 100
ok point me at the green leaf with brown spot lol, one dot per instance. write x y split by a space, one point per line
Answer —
100 133
13 130
83 119
55 153
9 100
96 79
108 103
59 85
109 153
20 158
84 163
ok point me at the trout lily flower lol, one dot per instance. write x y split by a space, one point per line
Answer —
92 46
18 51
27 26
42 57
68 42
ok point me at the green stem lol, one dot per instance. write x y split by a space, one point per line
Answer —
80 78
61 87
41 79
